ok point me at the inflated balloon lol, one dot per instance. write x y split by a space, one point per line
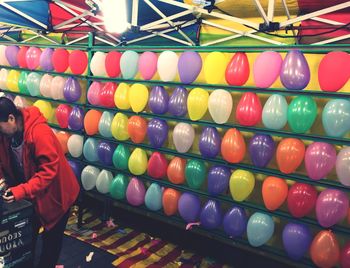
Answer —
105 123
170 200
320 158
72 90
290 154
90 150
12 80
237 71
45 60
93 94
91 120
214 67
197 103
3 78
33 58
235 222
107 95
97 64
343 166
274 192
129 64
22 83
233 146
295 71
11 53
137 128
60 60
301 199
332 75
218 179
57 86
118 186
189 66
62 115
138 162
119 127
121 96
345 256
302 112
135 193
249 110
176 170
209 142
75 145
157 166
104 181
62 138
121 157
45 108
76 167
260 229
3 60
89 177
336 117
20 102
296 239
324 250
211 215
138 97
183 137
265 77
189 207
331 207
76 118
158 100
78 61
148 64
195 173
45 85
261 149
157 132
112 63
178 102
21 57
242 183
105 152
167 65
220 105
33 84
153 197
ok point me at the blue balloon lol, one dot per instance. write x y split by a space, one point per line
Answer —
209 142
72 90
211 215
158 100
178 102
235 222
105 152
90 150
76 118
104 125
157 132
261 149
76 167
260 229
336 117
129 63
189 207
218 179
275 112
153 197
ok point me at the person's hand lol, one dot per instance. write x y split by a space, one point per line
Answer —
8 196
3 185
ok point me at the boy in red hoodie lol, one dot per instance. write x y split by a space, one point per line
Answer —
33 166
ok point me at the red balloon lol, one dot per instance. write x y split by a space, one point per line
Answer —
62 115
345 256
112 63
107 95
301 199
60 60
78 61
237 71
157 165
170 199
332 73
249 110
21 57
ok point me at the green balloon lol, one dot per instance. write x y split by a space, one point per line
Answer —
302 112
195 173
121 157
118 186
22 83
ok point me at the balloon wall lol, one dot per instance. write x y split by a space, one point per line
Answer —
251 146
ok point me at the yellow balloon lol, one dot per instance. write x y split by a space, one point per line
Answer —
138 162
45 108
121 96
138 97
12 81
242 183
197 103
215 67
119 127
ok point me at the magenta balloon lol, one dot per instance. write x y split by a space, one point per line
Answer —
46 59
265 77
94 92
33 57
135 192
11 55
189 66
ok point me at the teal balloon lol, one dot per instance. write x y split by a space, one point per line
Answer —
22 83
336 117
260 229
33 84
90 150
118 186
129 63
121 157
104 125
302 112
274 114
153 197
195 173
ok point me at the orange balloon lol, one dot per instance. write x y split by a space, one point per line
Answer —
290 154
274 192
63 137
137 128
233 146
170 200
91 120
176 170
324 250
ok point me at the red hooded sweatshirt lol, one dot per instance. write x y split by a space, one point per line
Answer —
50 182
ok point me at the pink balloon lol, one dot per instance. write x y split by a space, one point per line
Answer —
94 92
345 256
135 193
33 57
148 64
265 77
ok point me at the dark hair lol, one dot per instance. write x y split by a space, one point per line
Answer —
7 107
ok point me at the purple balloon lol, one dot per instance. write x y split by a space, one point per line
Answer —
320 158
295 72
218 179
189 66
135 192
76 118
331 207
261 149
209 142
46 59
158 100
189 207
235 222
72 90
157 132
11 55
211 215
76 167
178 102
296 240
105 152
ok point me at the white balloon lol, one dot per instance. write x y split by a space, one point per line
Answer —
97 64
167 65
3 59
220 105
20 102
343 166
89 176
57 86
274 113
45 85
183 137
75 145
3 78
103 181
